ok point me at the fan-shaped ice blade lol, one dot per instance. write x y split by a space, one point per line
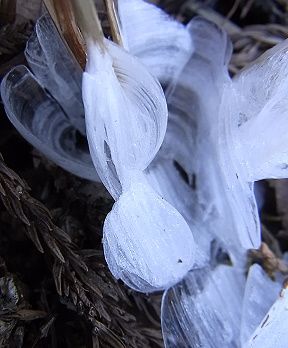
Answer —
262 140
195 99
212 45
260 294
271 69
147 243
162 44
262 115
197 96
41 121
195 105
180 139
204 309
238 189
272 332
56 70
221 186
126 115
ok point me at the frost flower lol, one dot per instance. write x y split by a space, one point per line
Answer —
147 243
45 102
232 120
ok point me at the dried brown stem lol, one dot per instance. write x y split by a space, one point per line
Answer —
62 14
87 18
113 22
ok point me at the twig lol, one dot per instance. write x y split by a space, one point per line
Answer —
113 22
62 14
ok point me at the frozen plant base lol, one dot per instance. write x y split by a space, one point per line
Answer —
147 243
55 134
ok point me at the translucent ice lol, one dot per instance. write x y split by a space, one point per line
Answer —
192 138
262 135
46 107
272 331
260 293
162 44
204 310
42 122
56 70
252 113
230 123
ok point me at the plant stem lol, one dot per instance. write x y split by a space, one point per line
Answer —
62 14
87 18
113 22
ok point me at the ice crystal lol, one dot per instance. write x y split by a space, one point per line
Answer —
147 243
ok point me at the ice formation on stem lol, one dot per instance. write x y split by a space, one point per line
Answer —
56 77
147 243
46 106
225 133
56 72
232 121
224 118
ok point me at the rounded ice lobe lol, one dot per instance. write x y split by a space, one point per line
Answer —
145 258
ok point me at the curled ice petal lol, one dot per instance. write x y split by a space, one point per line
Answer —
140 233
162 44
41 121
193 123
252 134
56 70
263 115
271 69
125 112
204 309
260 293
272 332
193 105
238 189
208 73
